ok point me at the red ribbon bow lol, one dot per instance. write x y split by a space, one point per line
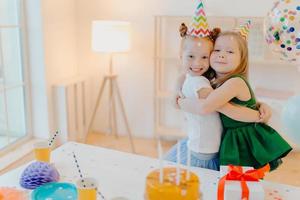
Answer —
236 173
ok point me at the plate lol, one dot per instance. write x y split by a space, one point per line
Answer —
55 191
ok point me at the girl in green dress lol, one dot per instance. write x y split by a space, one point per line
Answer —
243 143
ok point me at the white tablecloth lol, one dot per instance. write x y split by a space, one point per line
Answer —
122 174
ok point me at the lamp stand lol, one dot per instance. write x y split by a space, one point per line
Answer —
114 92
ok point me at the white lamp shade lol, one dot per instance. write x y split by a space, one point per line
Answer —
110 36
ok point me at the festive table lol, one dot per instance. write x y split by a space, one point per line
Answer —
122 174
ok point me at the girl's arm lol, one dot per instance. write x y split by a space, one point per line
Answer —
245 114
234 111
218 101
240 113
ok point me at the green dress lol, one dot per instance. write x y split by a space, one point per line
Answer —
251 144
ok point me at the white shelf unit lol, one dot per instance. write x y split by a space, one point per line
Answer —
168 120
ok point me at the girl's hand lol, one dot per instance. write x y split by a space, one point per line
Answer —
191 105
176 104
180 94
179 101
176 100
265 112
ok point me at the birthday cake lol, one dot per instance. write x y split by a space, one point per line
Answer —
168 189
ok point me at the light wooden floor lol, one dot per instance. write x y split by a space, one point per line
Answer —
288 172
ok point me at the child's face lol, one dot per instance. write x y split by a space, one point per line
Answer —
226 55
195 55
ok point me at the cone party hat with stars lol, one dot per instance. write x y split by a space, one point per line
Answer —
244 29
199 25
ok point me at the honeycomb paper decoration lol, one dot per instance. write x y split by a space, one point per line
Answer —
37 174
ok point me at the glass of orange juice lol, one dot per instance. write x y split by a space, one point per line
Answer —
87 189
42 151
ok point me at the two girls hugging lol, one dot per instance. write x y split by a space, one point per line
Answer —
224 123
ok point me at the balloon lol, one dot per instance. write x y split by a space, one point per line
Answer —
282 29
291 119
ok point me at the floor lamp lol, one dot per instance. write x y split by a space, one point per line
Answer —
111 37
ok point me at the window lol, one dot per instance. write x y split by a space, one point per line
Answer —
13 84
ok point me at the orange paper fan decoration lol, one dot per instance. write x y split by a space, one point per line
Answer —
11 193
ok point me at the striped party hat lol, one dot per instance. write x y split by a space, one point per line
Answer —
199 25
244 29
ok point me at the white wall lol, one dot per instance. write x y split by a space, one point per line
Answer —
67 52
60 42
136 69
52 48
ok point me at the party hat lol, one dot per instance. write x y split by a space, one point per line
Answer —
199 25
244 29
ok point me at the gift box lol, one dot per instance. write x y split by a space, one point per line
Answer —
224 169
238 183
233 190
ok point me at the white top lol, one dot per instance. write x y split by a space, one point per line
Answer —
204 131
121 174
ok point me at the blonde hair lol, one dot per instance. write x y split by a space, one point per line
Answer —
243 67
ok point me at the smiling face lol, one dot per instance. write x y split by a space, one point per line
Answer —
226 56
195 55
